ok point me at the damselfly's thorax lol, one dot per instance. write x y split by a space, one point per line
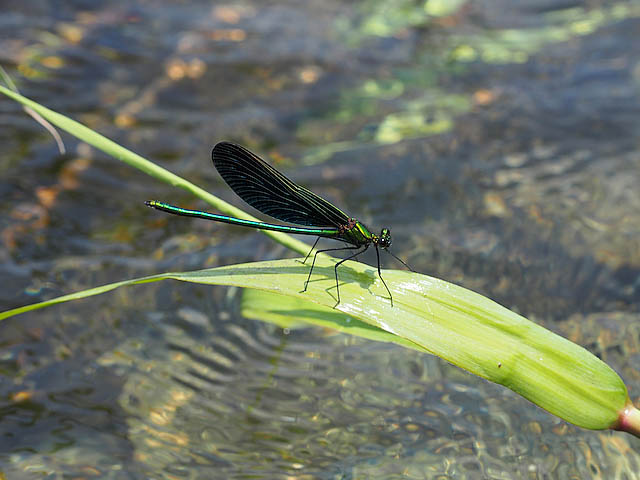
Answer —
357 233
349 226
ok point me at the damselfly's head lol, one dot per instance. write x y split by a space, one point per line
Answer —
384 240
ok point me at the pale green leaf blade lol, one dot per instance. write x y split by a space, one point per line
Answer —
449 321
294 312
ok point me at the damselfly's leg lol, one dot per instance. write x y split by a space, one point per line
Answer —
314 261
314 246
380 274
364 249
356 257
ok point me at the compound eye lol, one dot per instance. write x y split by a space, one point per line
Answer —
385 238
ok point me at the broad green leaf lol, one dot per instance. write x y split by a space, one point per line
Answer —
295 312
449 321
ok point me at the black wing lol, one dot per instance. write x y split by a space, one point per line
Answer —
266 189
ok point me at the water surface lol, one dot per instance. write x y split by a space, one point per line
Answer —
498 140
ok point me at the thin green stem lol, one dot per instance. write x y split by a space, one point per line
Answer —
133 159
629 420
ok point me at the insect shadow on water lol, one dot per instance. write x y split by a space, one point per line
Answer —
270 192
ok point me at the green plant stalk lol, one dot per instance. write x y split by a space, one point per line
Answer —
133 159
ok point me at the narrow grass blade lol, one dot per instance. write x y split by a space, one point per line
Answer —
133 159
